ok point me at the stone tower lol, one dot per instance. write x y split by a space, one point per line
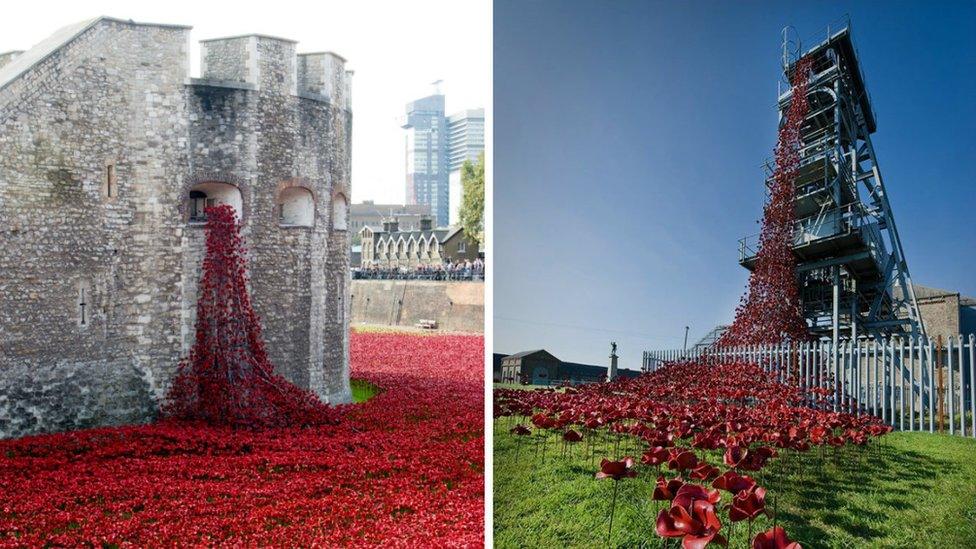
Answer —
109 152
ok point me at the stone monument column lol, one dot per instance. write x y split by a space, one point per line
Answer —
612 374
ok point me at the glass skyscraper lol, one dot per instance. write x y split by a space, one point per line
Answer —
437 147
428 164
466 140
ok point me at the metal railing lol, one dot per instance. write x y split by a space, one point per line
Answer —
923 384
471 274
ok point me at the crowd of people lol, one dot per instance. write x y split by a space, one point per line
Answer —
450 270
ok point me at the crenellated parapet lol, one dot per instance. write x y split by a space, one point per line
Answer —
324 74
271 65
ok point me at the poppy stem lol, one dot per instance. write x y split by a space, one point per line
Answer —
775 513
613 506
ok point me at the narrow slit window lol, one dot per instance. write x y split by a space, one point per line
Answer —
83 306
111 187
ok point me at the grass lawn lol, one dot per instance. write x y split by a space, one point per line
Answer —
362 390
920 492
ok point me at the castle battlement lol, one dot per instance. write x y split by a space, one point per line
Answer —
272 64
257 62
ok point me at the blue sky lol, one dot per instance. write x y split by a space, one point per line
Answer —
628 138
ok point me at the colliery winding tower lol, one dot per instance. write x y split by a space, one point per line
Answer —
853 276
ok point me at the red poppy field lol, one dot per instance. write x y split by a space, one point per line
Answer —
724 455
405 468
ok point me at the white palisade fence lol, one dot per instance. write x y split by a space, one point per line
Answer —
918 384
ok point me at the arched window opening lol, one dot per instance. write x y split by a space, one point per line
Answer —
296 207
340 211
205 195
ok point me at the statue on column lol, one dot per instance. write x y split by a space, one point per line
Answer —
612 373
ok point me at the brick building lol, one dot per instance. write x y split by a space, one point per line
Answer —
945 313
540 367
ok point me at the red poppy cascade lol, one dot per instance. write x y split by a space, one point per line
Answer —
228 379
770 310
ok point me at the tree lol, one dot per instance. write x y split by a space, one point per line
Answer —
473 199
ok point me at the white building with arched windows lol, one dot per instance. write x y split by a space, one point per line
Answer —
388 246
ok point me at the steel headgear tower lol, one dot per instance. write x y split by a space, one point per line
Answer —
853 276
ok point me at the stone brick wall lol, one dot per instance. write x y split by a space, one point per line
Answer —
119 95
456 306
940 315
323 74
229 59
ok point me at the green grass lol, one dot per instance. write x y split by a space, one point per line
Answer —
920 492
363 390
379 329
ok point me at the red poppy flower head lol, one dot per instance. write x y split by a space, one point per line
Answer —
520 430
704 471
732 482
541 421
572 436
753 462
616 470
690 493
665 490
774 538
655 456
698 525
666 527
593 423
665 440
705 440
682 459
800 445
734 455
747 504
